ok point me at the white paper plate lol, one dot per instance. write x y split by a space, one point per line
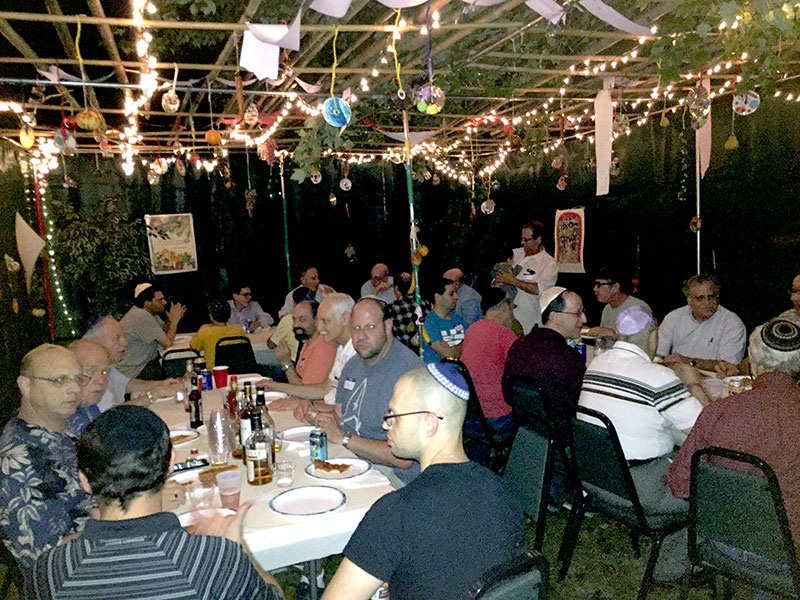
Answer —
270 396
308 500
358 467
176 434
196 516
297 434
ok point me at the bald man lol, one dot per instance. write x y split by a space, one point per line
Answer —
96 365
380 284
441 532
468 306
41 498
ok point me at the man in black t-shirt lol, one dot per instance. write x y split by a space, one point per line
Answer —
433 538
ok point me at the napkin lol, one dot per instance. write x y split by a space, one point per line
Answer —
373 478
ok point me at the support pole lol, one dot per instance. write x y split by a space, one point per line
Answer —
285 229
48 290
697 197
410 189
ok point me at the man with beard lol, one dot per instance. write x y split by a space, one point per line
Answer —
316 357
365 388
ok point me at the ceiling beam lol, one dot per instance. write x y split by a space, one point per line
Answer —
108 40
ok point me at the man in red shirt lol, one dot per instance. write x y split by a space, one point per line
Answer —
316 357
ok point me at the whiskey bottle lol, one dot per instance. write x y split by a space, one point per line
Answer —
258 450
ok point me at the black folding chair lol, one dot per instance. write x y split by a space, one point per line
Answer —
173 362
498 444
739 528
524 577
604 485
237 353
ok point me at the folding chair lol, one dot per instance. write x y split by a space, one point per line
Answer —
173 362
525 577
739 528
604 484
237 353
499 445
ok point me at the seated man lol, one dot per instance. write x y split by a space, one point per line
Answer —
443 331
793 314
703 333
405 313
284 330
247 312
486 346
309 278
145 332
365 388
133 547
612 289
763 421
545 355
95 366
380 284
316 357
441 532
206 338
41 499
468 306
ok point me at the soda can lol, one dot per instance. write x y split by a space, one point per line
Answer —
206 380
582 349
318 443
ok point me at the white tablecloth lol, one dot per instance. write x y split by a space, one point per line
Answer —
258 340
277 540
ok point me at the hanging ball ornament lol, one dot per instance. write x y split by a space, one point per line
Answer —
747 103
26 136
731 143
336 112
153 177
558 162
695 224
487 207
60 137
180 167
251 115
345 184
170 101
89 120
430 99
213 137
315 176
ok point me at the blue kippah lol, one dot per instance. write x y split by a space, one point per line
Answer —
450 378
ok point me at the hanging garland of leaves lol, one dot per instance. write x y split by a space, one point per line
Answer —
315 137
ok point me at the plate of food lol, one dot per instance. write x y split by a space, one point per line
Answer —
308 500
206 477
742 382
189 520
182 436
297 434
338 468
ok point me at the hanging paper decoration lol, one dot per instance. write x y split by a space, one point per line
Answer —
27 136
315 176
170 101
550 10
612 17
401 92
603 128
430 99
747 103
251 115
700 107
336 112
703 132
570 233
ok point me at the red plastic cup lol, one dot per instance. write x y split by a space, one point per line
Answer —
220 377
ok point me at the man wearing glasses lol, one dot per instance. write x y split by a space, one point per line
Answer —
611 288
703 333
247 312
96 367
41 499
441 532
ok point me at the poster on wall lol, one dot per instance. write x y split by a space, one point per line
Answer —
569 236
171 241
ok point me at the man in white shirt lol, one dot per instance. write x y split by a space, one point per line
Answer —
539 271
309 278
245 311
703 333
380 284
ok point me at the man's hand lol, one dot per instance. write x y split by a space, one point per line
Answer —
328 422
173 494
302 410
176 312
675 358
168 387
506 277
685 372
289 403
283 353
227 526
383 285
726 369
602 332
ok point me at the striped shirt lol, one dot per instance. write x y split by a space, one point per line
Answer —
646 402
146 558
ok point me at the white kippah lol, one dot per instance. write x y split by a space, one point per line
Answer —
550 294
140 288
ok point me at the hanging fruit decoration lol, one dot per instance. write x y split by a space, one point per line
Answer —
731 143
69 122
664 120
26 136
89 120
213 137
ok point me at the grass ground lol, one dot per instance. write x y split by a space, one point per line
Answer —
604 566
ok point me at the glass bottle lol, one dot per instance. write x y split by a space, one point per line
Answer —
187 383
258 450
266 420
248 408
241 402
195 406
231 405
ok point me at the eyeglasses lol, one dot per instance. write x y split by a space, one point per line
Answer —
708 297
369 327
389 418
794 291
91 373
602 283
526 240
62 380
566 312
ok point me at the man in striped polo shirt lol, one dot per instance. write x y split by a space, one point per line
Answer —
136 551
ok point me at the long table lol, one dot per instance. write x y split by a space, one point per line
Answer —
258 340
277 540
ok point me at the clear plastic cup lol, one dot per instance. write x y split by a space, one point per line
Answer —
230 486
284 474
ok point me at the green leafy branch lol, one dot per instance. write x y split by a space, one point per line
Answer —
316 136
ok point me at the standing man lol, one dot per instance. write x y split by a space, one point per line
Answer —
443 331
145 332
405 313
247 312
365 388
380 284
439 534
41 499
611 289
468 306
309 278
96 366
545 355
539 271
317 354
703 333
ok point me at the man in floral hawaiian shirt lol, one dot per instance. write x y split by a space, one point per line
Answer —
41 498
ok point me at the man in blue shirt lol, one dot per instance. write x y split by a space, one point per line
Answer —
468 306
443 330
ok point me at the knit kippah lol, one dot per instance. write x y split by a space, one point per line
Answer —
450 378
781 335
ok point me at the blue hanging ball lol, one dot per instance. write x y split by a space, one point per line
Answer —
336 112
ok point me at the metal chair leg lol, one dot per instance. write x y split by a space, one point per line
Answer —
571 532
637 552
647 580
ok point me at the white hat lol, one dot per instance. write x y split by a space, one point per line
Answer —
633 319
550 294
140 288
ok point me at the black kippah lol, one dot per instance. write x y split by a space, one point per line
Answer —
781 335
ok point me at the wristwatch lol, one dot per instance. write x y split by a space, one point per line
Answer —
346 440
692 362
287 366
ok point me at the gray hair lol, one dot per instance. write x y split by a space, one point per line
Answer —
764 359
697 280
341 304
95 332
641 338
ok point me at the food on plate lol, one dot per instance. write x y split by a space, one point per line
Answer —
208 476
180 438
324 465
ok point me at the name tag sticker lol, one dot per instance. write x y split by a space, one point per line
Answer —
349 383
